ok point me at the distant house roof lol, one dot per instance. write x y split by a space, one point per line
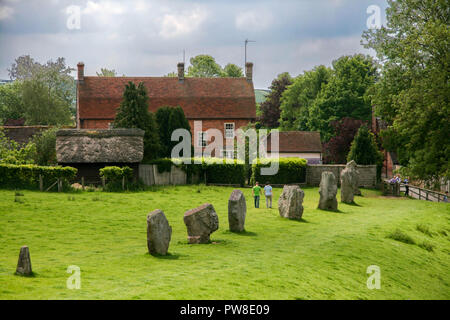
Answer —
200 98
297 141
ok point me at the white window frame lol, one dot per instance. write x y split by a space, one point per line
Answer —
225 130
202 139
228 154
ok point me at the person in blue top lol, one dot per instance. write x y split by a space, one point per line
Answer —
406 187
268 195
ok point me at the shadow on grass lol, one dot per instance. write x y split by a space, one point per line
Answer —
32 275
168 256
242 233
294 220
354 204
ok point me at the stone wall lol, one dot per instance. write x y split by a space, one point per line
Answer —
367 174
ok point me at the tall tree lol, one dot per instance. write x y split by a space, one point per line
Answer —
170 119
104 72
413 94
364 149
204 66
338 147
55 77
345 95
297 100
232 71
270 109
133 113
11 102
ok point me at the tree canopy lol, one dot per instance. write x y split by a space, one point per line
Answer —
133 113
413 92
270 108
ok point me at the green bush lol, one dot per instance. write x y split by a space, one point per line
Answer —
114 173
290 170
27 176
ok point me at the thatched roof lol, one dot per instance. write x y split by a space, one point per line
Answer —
100 146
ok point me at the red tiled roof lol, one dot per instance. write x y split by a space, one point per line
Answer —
200 98
298 141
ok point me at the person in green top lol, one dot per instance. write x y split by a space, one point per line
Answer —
256 192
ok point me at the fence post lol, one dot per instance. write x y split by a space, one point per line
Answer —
59 185
123 183
82 183
103 182
41 183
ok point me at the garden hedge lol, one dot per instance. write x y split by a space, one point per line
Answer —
114 173
290 170
26 176
217 170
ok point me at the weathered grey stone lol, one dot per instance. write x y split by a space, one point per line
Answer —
24 263
328 191
290 203
237 209
159 233
200 223
100 146
348 182
354 167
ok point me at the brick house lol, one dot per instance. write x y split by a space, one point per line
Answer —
220 103
298 144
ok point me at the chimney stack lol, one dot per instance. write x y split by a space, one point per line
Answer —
80 66
181 71
249 71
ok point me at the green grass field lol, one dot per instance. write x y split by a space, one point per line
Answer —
325 256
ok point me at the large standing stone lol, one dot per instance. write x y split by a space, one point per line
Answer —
354 168
348 183
237 209
328 191
290 203
200 223
159 233
24 263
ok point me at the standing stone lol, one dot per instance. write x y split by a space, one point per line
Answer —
237 209
354 168
200 223
348 184
290 203
328 191
159 233
24 263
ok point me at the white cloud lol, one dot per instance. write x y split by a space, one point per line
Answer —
104 8
6 12
174 25
253 21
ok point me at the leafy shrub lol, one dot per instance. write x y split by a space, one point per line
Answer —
290 170
45 143
114 173
398 235
27 176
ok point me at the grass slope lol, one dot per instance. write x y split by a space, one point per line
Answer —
323 257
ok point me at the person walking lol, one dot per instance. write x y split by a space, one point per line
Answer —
268 194
406 181
256 191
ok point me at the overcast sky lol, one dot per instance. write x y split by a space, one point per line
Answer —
147 38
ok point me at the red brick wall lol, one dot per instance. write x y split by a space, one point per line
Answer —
206 124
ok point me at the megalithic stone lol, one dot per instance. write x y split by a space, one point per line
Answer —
24 263
237 209
158 233
200 223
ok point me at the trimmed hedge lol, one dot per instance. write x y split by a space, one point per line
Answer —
114 173
217 170
27 176
290 170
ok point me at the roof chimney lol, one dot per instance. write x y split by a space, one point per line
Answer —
80 66
249 71
181 71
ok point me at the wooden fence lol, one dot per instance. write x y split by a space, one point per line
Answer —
422 194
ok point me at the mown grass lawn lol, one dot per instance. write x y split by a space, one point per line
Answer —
323 257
